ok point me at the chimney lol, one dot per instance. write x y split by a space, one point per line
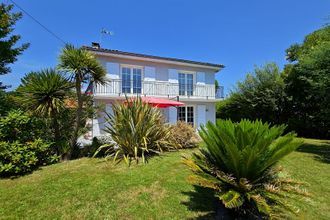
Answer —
96 45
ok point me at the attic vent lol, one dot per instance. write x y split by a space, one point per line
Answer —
96 45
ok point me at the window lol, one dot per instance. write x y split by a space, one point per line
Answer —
186 84
126 80
131 80
186 114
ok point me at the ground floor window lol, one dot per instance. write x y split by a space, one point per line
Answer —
186 114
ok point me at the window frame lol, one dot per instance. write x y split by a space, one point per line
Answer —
131 67
185 72
186 114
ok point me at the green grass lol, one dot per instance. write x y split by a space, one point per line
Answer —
311 164
91 188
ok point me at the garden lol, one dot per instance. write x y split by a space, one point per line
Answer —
266 157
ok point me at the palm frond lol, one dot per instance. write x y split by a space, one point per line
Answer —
240 159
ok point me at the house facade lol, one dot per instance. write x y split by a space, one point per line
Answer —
133 74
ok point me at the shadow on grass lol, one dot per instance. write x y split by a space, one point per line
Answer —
203 200
320 149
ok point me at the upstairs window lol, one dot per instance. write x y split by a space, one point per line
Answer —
186 84
131 80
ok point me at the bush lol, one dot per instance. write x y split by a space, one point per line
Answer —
183 135
18 126
17 158
138 131
238 161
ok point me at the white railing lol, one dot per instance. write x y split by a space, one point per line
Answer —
157 88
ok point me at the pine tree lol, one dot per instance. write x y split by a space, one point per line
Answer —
8 51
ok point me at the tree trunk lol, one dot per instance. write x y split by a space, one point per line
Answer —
57 135
76 126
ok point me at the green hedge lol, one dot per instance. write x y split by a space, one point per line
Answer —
17 158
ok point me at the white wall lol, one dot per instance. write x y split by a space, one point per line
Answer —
162 70
99 123
210 112
204 112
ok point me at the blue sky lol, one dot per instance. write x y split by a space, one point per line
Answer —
238 33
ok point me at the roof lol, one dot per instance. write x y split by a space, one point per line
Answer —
118 52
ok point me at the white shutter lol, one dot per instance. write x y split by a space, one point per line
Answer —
201 115
200 78
172 115
149 73
173 76
149 78
113 70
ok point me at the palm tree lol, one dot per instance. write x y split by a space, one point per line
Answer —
44 93
83 69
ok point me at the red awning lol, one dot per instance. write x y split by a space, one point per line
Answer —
161 103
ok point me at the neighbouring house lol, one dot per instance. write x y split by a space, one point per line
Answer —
134 74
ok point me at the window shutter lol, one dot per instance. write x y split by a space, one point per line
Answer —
173 76
201 115
200 78
113 70
149 73
172 115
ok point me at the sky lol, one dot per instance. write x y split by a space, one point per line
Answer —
239 34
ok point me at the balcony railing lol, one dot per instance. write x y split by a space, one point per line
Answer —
158 88
219 92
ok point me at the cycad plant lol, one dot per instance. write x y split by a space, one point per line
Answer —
44 93
138 131
238 161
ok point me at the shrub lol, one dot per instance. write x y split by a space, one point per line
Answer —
238 161
137 129
17 158
183 135
18 126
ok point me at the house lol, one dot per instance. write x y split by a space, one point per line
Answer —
134 74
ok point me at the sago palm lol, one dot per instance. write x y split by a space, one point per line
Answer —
138 131
44 93
238 161
83 68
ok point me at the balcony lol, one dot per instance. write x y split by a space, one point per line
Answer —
115 88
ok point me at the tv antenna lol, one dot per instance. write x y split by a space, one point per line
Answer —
105 32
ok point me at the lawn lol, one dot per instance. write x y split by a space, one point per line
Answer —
92 188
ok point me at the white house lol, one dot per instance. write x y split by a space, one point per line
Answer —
133 74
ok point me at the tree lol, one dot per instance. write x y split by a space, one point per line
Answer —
45 93
83 68
308 85
260 96
6 102
8 51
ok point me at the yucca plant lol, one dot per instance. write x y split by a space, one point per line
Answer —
44 92
238 161
138 131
